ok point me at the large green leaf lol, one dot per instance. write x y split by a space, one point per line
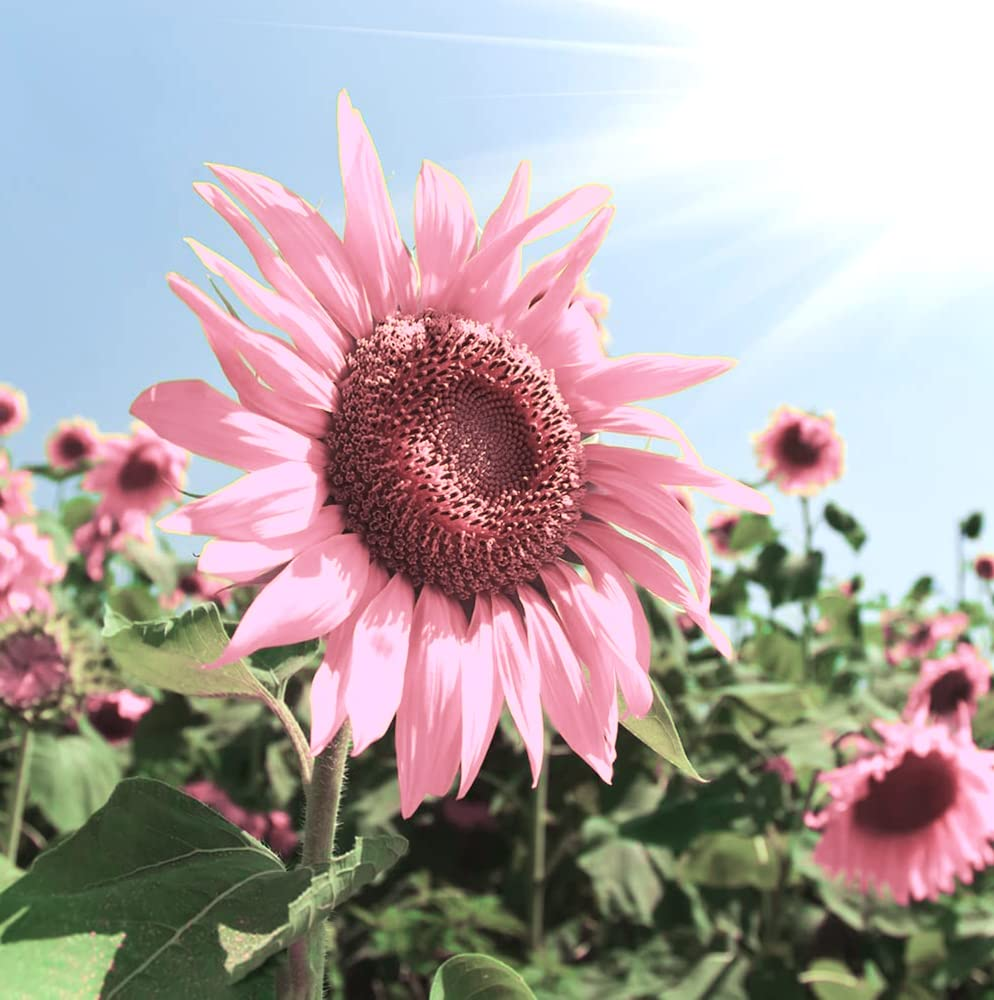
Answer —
159 896
71 777
751 530
478 977
657 730
729 860
625 880
169 653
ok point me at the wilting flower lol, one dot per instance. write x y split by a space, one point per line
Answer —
72 443
35 663
720 526
274 827
137 473
912 817
918 639
116 714
421 485
948 689
983 566
105 533
15 489
782 768
13 409
28 567
193 585
801 451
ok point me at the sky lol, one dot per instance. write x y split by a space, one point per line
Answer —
830 231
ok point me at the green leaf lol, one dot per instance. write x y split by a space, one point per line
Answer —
751 530
160 568
626 883
478 977
71 777
48 524
76 512
971 527
48 472
657 730
9 872
728 860
832 980
285 661
783 703
787 577
159 896
779 655
169 654
730 595
846 525
920 589
134 602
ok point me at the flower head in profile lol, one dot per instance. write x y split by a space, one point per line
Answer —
983 566
13 409
116 714
36 664
907 639
105 533
720 526
136 473
801 452
72 443
948 689
910 817
28 567
423 487
16 486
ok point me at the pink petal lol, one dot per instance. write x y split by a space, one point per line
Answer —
519 677
482 697
197 417
596 626
644 423
308 244
509 213
665 469
338 642
533 327
372 239
631 631
428 723
379 655
278 500
314 332
327 704
279 384
315 592
245 561
444 230
655 515
570 706
647 376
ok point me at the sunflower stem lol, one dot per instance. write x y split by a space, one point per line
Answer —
806 602
536 910
19 795
307 954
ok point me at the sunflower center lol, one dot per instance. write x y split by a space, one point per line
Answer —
6 412
796 450
910 797
948 692
32 668
454 455
138 473
71 447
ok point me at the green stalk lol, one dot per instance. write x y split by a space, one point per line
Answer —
536 913
15 813
307 955
806 602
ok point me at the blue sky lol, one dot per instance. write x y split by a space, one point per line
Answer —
720 244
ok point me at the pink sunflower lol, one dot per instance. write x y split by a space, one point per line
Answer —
801 452
13 409
983 566
28 567
116 714
422 489
912 816
105 533
918 639
720 526
948 689
136 473
16 486
72 443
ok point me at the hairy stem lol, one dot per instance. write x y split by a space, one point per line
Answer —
536 910
307 955
19 795
296 735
